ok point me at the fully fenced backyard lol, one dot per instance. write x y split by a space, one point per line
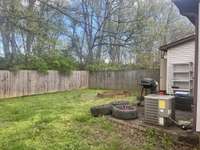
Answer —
61 120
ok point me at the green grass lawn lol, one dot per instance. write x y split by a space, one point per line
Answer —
58 121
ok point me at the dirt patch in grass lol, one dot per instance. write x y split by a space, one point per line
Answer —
114 94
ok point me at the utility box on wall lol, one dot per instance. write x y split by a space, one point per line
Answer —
159 109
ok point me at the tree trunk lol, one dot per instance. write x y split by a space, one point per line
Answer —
5 41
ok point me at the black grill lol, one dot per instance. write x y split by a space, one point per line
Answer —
148 83
149 86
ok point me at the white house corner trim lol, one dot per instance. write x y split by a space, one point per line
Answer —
198 87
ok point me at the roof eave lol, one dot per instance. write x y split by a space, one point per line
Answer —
177 43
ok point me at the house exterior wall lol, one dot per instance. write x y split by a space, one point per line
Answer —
183 53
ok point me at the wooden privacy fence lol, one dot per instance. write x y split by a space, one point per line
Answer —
26 82
120 79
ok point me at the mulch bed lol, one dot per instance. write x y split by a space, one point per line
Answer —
114 94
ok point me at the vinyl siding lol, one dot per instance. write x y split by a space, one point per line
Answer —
183 53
